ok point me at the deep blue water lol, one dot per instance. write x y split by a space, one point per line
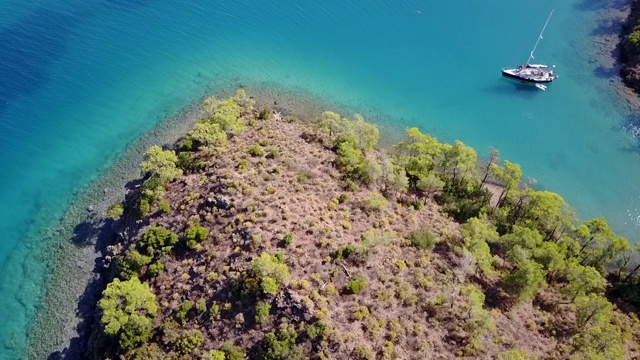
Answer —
79 80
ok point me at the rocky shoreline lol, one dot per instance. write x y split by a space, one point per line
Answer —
75 277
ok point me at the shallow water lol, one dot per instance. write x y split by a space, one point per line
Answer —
82 79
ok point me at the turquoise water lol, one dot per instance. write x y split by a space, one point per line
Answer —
82 79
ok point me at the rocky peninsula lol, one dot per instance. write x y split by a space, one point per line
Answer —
263 236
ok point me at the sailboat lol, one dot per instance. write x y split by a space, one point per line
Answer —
533 73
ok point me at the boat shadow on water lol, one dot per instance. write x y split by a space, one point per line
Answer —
510 87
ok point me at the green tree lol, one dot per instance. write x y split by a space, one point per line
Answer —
161 164
509 175
478 320
582 280
270 272
392 177
281 345
216 355
189 163
635 269
225 113
594 308
522 236
548 212
195 234
361 134
232 352
127 311
520 354
190 340
130 265
461 162
598 343
262 312
244 101
477 233
419 154
366 134
209 136
551 255
494 158
430 185
157 238
352 161
599 245
331 122
524 282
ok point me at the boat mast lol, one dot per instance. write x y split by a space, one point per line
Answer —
539 38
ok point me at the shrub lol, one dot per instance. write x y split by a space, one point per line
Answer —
216 355
115 211
273 153
201 305
362 353
361 312
232 352
190 340
128 309
357 284
209 135
265 114
288 240
376 201
422 239
242 166
164 206
344 252
195 234
156 268
262 312
256 150
271 272
190 164
144 206
157 238
131 263
281 344
215 311
182 312
316 330
519 354
161 164
524 282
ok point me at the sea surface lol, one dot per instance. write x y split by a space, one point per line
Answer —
82 79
